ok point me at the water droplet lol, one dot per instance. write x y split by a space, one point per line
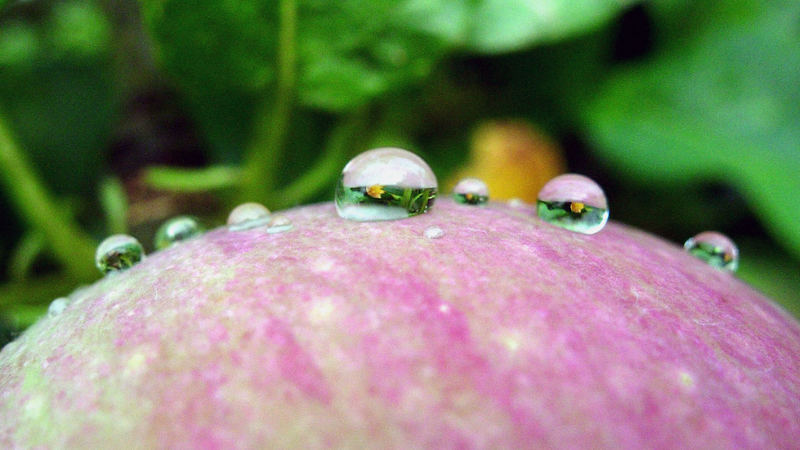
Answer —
516 202
176 230
247 216
385 184
433 232
471 191
279 224
118 252
57 306
574 202
715 249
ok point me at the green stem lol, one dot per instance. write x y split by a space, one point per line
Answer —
328 166
36 291
266 149
70 245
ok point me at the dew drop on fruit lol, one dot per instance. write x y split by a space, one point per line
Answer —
516 202
715 249
279 224
574 202
385 184
471 191
57 306
176 230
433 232
247 216
118 252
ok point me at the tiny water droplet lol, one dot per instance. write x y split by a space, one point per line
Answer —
57 306
471 191
279 224
516 202
433 232
247 216
176 230
385 184
714 248
574 202
118 252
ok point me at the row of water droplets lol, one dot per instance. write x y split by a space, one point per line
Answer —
392 183
121 251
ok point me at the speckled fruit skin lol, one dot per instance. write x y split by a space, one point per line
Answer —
504 333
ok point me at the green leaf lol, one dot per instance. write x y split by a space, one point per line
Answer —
192 180
720 106
505 25
115 205
32 244
350 51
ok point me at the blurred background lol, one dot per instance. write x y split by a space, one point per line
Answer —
117 114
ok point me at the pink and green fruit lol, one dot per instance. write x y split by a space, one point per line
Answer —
504 332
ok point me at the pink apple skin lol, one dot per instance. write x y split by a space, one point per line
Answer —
504 333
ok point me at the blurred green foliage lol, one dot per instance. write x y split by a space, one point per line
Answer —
686 112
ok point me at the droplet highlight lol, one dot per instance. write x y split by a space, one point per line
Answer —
471 191
385 184
118 252
279 224
57 306
248 216
176 230
433 232
715 249
573 202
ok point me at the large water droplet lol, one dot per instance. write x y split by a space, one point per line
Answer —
279 224
247 216
118 252
385 184
57 306
176 230
574 202
471 191
714 248
433 232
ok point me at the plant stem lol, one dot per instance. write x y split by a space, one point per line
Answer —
70 245
327 167
266 149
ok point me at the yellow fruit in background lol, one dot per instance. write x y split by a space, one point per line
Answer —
514 159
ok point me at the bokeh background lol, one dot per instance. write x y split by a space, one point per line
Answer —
117 114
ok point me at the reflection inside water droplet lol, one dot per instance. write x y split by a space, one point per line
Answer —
247 216
385 184
176 230
279 224
573 202
57 306
471 191
118 252
433 232
715 249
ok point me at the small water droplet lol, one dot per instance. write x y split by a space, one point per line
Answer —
516 202
176 230
574 202
247 216
433 232
57 306
471 191
714 248
385 184
279 224
118 252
